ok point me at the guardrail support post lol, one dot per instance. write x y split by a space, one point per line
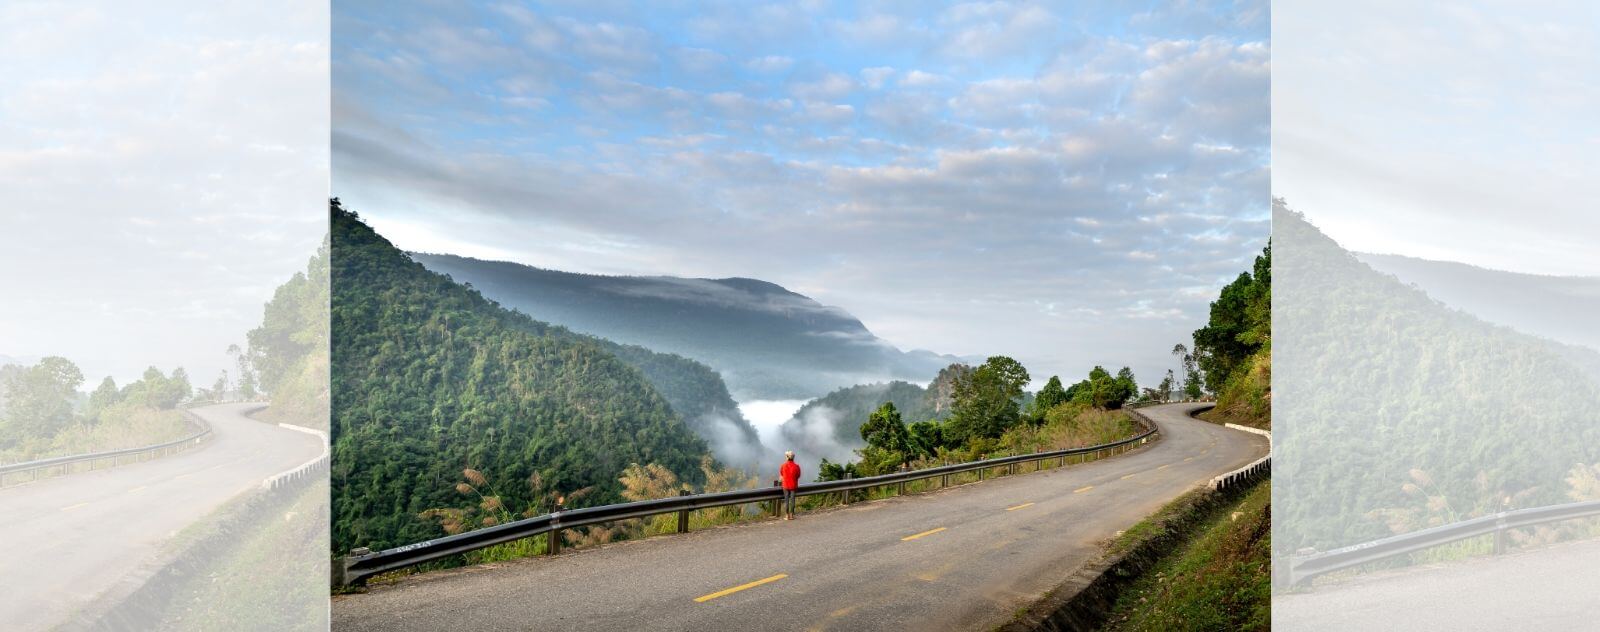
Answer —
553 547
1500 537
683 514
846 493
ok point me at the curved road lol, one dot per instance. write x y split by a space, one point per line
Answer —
958 559
69 539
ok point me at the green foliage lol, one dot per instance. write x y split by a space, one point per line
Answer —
1049 397
154 390
288 352
38 399
848 407
925 438
1103 390
429 377
1407 389
1240 324
885 431
985 400
1220 578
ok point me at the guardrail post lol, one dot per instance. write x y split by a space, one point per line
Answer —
1500 536
902 483
683 514
846 496
553 547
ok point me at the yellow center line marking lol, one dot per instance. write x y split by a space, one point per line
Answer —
1021 506
1188 459
724 593
1164 466
924 533
72 507
1127 477
1081 490
137 488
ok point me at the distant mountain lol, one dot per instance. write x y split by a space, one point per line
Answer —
1562 308
766 341
429 377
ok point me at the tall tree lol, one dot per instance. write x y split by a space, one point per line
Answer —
985 400
1050 396
885 430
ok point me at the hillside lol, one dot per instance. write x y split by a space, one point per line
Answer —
767 342
429 378
830 426
1396 412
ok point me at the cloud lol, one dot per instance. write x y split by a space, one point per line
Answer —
940 194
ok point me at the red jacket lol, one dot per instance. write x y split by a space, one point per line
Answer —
791 474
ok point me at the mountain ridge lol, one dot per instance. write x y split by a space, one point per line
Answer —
767 341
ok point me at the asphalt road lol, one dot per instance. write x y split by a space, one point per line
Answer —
959 559
66 540
1552 588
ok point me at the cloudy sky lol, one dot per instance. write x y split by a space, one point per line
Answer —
1457 131
1067 183
164 167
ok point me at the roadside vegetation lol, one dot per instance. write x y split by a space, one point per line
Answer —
1220 578
43 415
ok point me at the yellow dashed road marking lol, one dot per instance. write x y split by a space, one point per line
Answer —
136 489
724 593
1021 506
924 533
1081 490
72 507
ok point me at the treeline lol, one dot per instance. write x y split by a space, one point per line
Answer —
42 413
991 414
1234 350
429 379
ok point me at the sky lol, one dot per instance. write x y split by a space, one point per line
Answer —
1458 131
1066 183
164 168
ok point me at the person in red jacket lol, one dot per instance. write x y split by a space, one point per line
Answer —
791 481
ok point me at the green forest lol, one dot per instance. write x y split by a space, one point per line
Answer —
1434 415
429 379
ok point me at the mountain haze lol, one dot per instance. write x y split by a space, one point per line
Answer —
1562 308
766 341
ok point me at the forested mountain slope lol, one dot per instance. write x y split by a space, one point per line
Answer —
1396 412
766 341
429 378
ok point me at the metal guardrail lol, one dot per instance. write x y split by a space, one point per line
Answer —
1304 568
356 568
62 465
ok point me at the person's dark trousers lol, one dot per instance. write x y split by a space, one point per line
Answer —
788 502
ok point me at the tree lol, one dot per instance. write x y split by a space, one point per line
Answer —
926 437
1049 397
1191 372
1163 392
219 390
39 400
884 430
1124 388
104 396
247 377
985 400
1240 323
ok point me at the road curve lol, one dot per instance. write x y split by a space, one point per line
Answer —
958 559
68 539
1551 588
